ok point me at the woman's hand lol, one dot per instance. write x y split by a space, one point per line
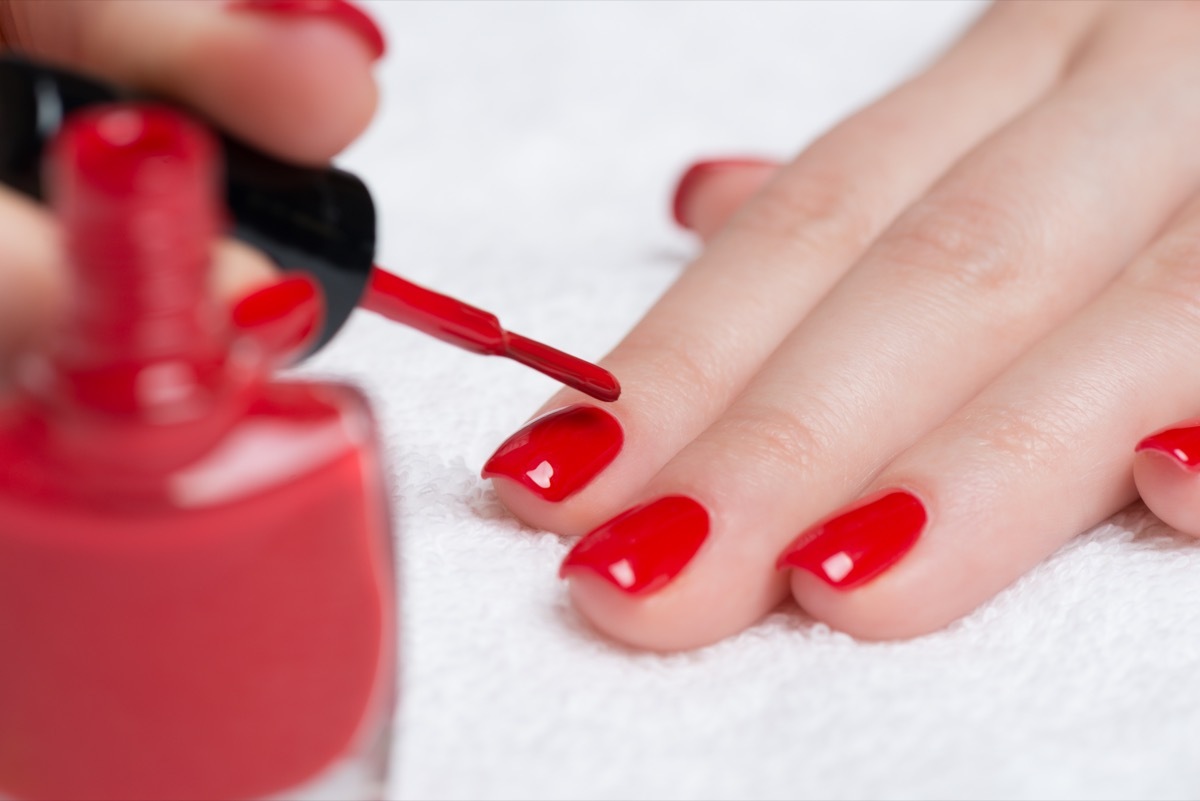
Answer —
290 76
914 361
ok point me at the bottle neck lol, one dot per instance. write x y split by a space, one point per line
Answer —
135 191
139 375
150 349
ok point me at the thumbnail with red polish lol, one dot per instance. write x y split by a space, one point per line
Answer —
643 549
859 543
339 11
1181 443
283 318
696 175
559 453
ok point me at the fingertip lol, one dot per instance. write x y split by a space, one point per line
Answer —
33 280
653 621
621 617
281 319
709 192
1169 486
239 269
661 622
339 12
568 519
297 85
878 612
649 622
1180 442
312 93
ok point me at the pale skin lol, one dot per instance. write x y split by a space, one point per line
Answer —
983 288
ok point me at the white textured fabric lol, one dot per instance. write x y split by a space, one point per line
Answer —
522 160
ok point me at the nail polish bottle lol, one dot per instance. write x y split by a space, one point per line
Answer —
196 592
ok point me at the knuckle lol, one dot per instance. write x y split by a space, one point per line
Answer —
968 242
1171 269
810 210
1019 438
1047 27
678 367
778 439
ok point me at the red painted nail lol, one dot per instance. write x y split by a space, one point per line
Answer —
862 541
644 548
696 174
1181 442
339 11
282 318
557 454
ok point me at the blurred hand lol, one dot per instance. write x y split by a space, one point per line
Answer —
290 76
914 361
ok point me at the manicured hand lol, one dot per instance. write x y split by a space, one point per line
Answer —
914 361
290 76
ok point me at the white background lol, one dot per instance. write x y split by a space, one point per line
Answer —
523 160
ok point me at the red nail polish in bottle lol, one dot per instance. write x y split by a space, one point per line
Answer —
195 566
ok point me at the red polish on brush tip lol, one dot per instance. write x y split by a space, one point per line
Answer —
479 331
195 568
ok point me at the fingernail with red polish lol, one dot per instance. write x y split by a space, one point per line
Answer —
1181 442
642 550
859 543
559 453
697 174
339 11
282 318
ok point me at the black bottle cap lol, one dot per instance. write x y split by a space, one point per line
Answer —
318 220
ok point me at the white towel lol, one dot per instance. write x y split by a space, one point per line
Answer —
522 160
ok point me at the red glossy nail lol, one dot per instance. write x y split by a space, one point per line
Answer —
1181 442
697 174
339 11
859 543
559 453
283 317
643 549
